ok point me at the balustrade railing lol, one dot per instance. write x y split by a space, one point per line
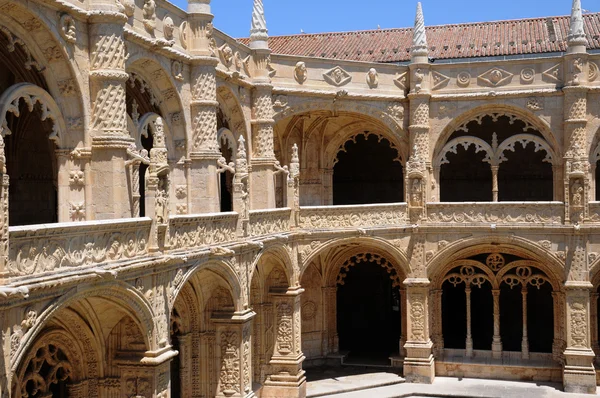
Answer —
191 231
273 221
496 212
44 248
353 216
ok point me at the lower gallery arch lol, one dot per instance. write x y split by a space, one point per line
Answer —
352 307
90 348
495 315
202 310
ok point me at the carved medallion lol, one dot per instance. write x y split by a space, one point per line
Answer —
337 77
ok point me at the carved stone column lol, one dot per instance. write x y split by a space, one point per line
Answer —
559 344
435 316
419 362
185 365
108 119
240 188
148 377
204 148
289 379
234 353
496 339
579 374
525 338
4 185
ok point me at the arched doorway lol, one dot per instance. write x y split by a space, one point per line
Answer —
368 308
495 157
497 305
368 170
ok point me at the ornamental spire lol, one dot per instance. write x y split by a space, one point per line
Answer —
258 30
419 44
576 35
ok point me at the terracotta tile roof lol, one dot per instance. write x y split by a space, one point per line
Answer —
499 38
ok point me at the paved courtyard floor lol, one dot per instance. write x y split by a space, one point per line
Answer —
361 383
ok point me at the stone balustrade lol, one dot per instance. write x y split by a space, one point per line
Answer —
192 231
46 248
354 216
273 221
549 213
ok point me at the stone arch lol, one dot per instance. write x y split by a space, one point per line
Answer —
148 121
32 96
54 57
282 256
546 261
129 300
495 110
56 349
392 117
221 269
381 246
334 148
466 142
232 111
159 79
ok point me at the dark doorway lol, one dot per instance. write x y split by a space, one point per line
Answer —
368 312
147 143
525 176
540 318
511 317
466 178
226 177
454 315
482 316
368 171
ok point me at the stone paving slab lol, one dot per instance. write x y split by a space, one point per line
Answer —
336 384
442 387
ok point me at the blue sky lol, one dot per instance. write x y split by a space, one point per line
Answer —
312 16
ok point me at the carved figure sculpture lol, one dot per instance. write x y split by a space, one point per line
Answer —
372 78
300 72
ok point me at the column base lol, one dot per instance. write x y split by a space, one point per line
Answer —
419 364
273 389
579 375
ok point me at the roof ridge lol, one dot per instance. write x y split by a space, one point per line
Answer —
367 31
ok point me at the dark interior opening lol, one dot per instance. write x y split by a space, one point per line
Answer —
525 176
226 178
597 176
32 169
466 178
482 316
511 317
176 361
147 143
540 318
368 171
368 312
454 315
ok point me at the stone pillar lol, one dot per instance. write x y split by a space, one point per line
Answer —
469 339
4 185
419 362
289 381
525 338
437 337
263 156
240 188
594 323
108 119
204 152
185 365
496 339
149 377
234 353
579 374
559 344
331 343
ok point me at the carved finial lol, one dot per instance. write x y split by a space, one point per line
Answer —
241 150
258 30
419 44
295 163
295 158
494 141
576 35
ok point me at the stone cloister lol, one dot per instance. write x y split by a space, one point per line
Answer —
185 214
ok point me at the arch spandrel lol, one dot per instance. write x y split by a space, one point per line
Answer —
495 110
282 257
127 298
38 32
348 246
544 260
232 108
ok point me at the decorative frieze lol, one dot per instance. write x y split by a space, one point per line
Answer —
360 216
496 213
265 222
188 232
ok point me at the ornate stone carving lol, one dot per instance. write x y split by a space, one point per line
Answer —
71 246
285 342
495 213
68 30
578 324
226 54
168 27
77 211
229 378
439 80
177 70
183 34
417 317
402 81
264 222
350 217
495 77
463 79
337 77
553 74
372 78
300 72
76 178
149 15
535 104
592 71
527 75
368 258
189 232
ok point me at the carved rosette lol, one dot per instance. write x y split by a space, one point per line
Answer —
204 109
263 123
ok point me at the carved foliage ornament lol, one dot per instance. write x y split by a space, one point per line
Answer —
230 367
337 77
67 28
